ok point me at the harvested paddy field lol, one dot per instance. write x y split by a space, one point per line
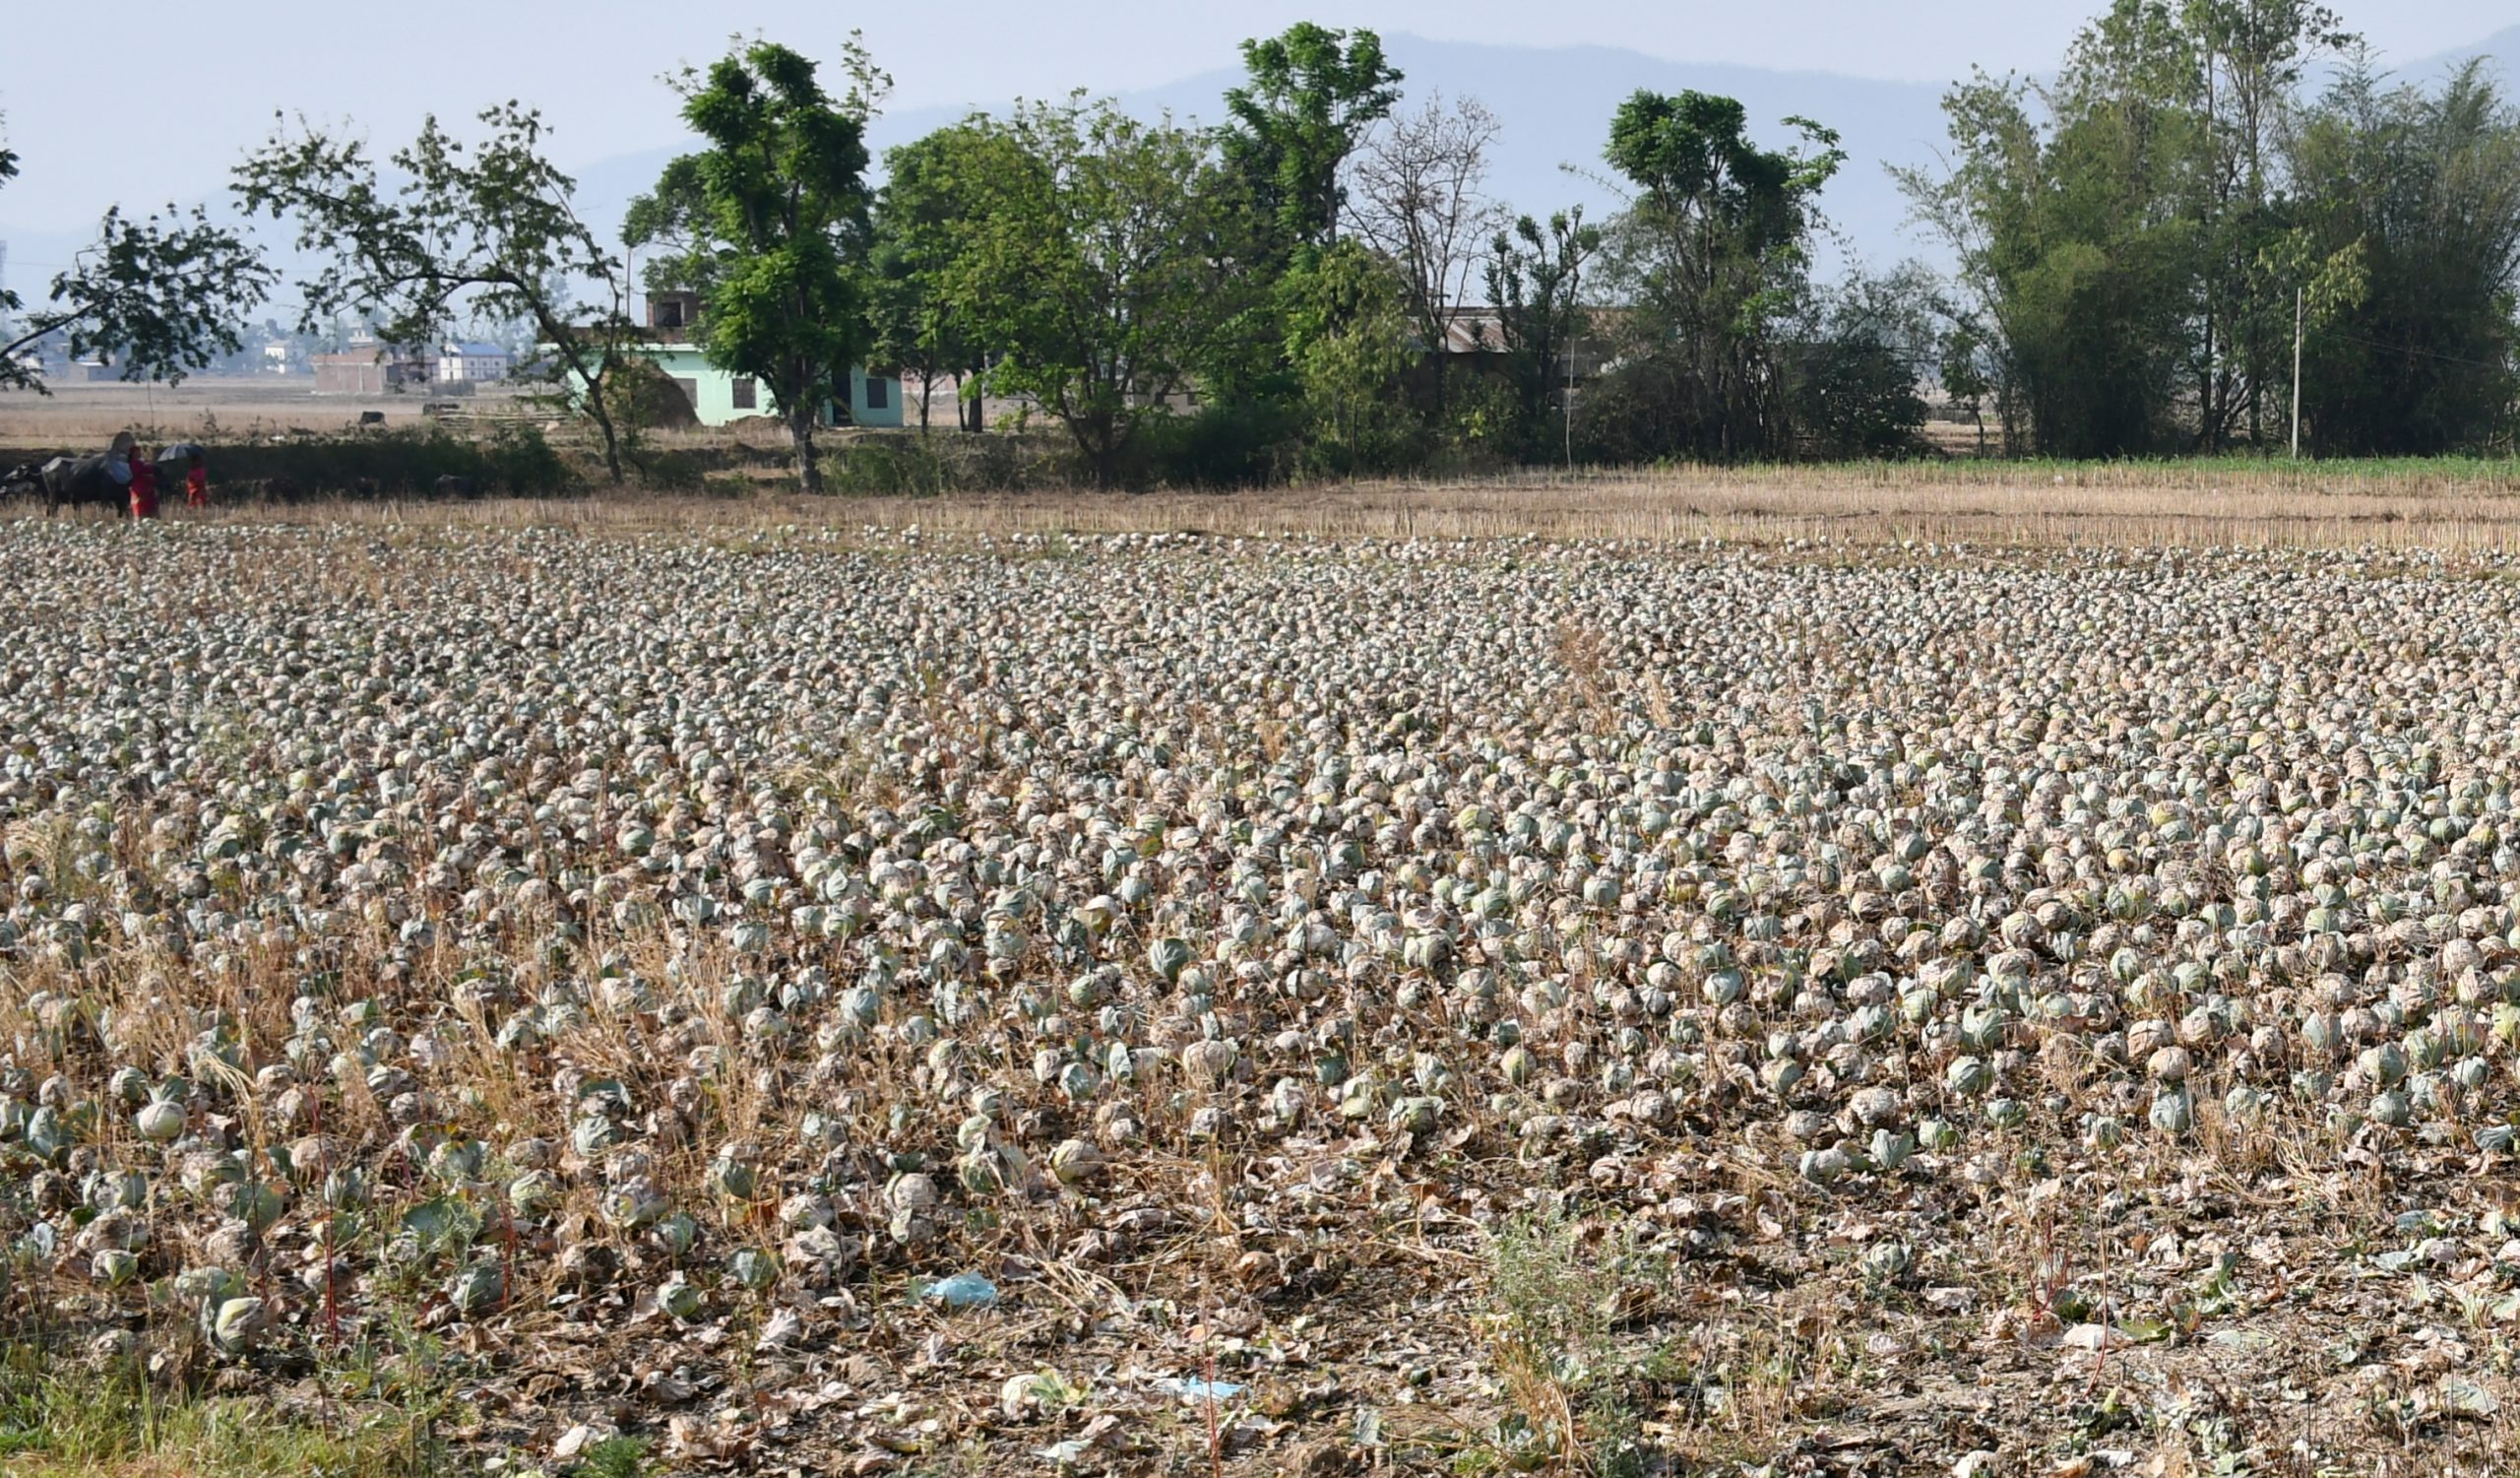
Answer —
685 999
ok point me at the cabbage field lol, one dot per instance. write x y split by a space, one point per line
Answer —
843 1000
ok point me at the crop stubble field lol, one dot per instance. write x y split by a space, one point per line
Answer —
2459 507
1839 980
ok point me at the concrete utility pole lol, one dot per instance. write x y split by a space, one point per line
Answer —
2296 373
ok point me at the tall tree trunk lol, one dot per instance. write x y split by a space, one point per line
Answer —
800 430
607 360
604 424
2205 388
1101 448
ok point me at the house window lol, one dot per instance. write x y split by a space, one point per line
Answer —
878 393
744 393
690 390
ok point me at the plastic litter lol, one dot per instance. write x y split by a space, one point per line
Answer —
961 1291
1200 1390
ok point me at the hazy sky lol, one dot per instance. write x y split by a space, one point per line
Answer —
143 101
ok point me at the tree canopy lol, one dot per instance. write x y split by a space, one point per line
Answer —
1309 95
1711 258
772 219
162 294
2137 238
1097 266
487 227
934 198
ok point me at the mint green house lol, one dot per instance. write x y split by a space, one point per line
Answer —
718 397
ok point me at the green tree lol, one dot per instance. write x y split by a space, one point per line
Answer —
2073 260
1348 337
1855 365
164 296
1099 268
906 333
935 192
1963 373
1536 281
2126 232
2250 57
2410 207
1310 95
488 229
1714 252
770 222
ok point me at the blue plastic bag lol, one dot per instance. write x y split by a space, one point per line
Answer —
961 1291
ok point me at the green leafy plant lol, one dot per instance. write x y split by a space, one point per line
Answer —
614 1457
1548 1322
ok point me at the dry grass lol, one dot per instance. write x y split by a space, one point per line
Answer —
2458 508
2134 507
80 415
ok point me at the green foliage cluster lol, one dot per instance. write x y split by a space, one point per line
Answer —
486 227
771 220
2141 241
1311 95
1713 254
162 295
1548 1316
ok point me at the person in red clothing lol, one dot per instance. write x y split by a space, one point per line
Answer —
143 485
196 481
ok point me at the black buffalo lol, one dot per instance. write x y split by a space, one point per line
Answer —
26 479
75 481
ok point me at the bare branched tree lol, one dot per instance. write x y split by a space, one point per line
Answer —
1418 196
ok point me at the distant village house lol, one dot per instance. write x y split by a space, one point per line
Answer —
719 397
371 369
472 363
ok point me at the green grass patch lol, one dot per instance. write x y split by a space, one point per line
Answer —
59 1419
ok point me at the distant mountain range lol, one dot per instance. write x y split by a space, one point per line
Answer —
2503 49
